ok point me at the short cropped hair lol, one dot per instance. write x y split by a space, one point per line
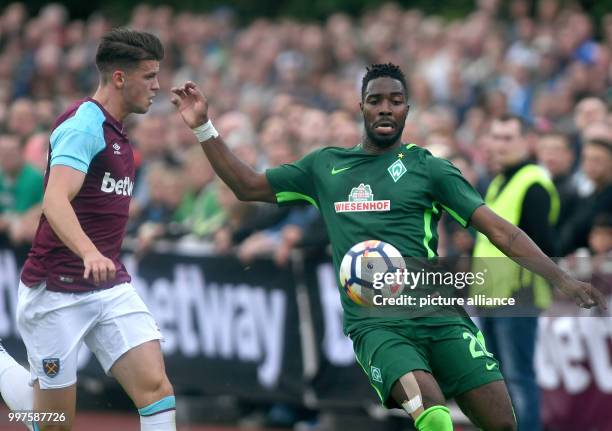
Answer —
603 219
556 134
601 143
524 125
388 70
122 48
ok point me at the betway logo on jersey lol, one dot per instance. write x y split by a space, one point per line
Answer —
121 187
361 199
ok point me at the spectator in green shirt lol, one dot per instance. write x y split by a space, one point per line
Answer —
21 191
200 211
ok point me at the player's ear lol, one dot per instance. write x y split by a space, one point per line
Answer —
118 78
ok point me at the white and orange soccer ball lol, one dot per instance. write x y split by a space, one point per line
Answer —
367 262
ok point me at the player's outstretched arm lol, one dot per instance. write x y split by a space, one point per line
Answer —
515 244
64 184
247 184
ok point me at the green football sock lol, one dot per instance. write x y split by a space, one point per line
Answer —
435 418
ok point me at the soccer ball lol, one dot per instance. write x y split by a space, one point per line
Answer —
360 264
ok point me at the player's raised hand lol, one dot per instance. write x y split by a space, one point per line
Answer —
191 104
101 268
585 295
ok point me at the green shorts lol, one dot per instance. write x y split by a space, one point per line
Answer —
455 354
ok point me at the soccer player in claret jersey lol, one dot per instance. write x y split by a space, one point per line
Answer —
414 364
74 288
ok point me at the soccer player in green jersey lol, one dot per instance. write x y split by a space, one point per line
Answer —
414 364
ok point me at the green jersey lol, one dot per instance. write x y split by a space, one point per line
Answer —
396 197
22 193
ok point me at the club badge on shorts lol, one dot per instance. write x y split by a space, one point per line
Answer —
51 366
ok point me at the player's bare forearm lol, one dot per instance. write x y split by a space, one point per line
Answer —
247 184
516 244
63 185
63 220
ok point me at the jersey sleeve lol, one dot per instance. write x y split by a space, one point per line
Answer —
452 190
294 182
74 148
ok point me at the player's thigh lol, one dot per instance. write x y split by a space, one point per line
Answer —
385 355
57 401
126 342
488 407
52 326
142 374
460 360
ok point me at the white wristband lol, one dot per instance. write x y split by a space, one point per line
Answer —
205 131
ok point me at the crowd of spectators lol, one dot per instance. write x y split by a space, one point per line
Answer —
281 88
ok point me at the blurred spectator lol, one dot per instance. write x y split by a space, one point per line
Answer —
600 236
453 238
239 133
22 119
151 139
556 155
600 245
200 210
36 150
235 214
440 144
267 224
161 217
279 239
469 172
21 191
588 111
597 167
525 197
597 130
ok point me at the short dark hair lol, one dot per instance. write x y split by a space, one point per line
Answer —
602 143
525 126
603 219
124 48
388 70
556 134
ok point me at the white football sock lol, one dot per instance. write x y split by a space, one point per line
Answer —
159 416
165 421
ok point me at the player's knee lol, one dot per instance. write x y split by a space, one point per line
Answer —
166 388
159 386
435 418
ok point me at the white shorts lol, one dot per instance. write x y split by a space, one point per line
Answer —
54 325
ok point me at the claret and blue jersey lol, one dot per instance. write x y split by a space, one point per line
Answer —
86 138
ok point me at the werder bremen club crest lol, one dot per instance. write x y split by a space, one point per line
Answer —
397 170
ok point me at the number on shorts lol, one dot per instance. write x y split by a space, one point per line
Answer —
477 344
